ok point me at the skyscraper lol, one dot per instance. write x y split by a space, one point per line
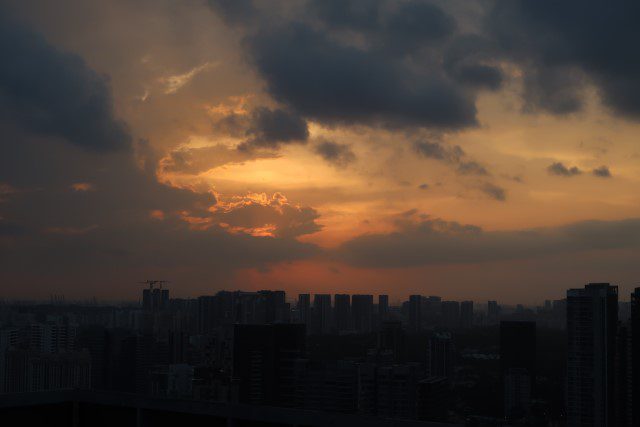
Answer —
466 314
634 360
415 313
362 310
493 312
592 317
342 311
304 308
322 313
440 355
451 314
518 366
383 307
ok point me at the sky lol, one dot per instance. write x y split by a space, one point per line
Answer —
468 149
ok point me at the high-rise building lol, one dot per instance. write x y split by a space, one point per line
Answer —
451 314
466 314
391 338
415 313
518 366
440 355
322 313
592 317
362 310
304 309
383 307
634 360
265 358
342 311
493 312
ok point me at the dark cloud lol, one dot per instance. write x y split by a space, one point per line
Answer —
422 240
453 155
333 82
602 172
49 92
559 169
271 128
193 161
494 191
559 43
234 11
423 186
337 154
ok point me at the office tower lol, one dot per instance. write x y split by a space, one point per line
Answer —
362 310
440 355
415 313
342 312
466 314
451 314
322 313
634 360
383 307
264 362
493 312
592 317
304 308
518 366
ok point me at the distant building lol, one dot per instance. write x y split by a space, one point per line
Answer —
362 311
383 308
342 311
304 309
466 314
592 317
440 355
322 314
493 312
451 314
518 366
415 313
265 360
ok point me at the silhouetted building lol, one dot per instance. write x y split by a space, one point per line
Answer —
466 314
383 307
362 310
265 362
415 313
391 338
634 360
342 312
493 312
592 317
433 399
451 314
518 366
322 313
304 309
440 355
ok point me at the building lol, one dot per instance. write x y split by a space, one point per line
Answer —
634 360
493 312
304 309
450 314
440 355
466 314
415 313
265 363
592 317
362 311
322 314
383 308
518 366
342 311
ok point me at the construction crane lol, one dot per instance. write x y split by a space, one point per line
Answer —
153 283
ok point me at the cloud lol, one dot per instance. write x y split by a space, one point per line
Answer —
195 160
332 82
453 155
423 186
602 172
560 52
494 191
423 240
559 169
49 92
337 154
271 128
175 82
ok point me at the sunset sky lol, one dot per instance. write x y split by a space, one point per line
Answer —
468 149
